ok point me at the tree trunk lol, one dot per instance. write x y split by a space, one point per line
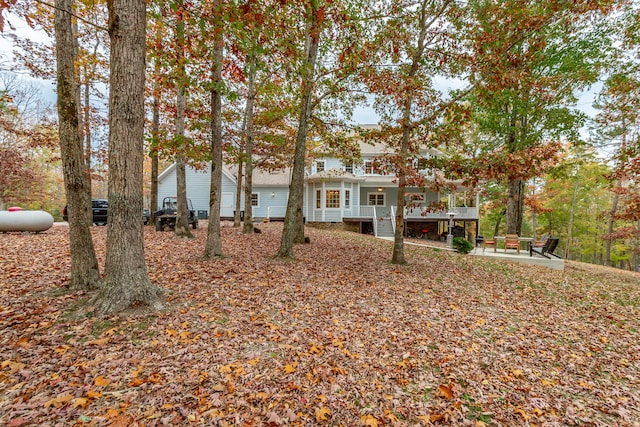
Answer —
126 281
155 135
398 238
610 224
293 216
248 145
84 265
213 247
515 206
403 154
496 228
567 249
182 213
239 187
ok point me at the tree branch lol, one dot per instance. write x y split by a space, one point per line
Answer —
86 21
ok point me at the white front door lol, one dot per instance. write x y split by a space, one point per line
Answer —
226 205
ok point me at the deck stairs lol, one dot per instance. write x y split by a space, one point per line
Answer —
385 227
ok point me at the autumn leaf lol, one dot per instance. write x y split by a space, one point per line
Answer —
101 341
369 421
291 368
522 413
101 381
80 402
92 394
322 414
446 391
58 401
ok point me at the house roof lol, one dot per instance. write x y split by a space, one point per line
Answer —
378 148
225 170
263 178
334 175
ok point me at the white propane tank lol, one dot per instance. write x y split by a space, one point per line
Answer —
19 220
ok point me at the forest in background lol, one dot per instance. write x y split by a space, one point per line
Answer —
514 128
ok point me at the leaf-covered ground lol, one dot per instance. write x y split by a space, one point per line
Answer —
337 337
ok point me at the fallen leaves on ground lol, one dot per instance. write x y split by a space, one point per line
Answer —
338 336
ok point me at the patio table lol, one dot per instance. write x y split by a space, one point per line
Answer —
520 240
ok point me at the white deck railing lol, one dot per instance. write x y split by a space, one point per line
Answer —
421 212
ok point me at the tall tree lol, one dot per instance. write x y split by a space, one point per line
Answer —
530 57
126 281
248 135
293 218
182 214
84 265
213 247
410 47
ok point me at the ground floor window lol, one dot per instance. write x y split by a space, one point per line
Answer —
318 199
255 200
332 198
376 199
347 199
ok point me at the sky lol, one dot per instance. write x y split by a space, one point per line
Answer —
362 114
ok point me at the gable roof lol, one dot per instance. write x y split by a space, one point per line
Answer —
172 167
263 178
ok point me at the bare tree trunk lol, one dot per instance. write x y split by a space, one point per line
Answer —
248 145
610 223
294 214
515 206
567 249
239 186
182 213
155 133
84 265
496 228
213 247
126 281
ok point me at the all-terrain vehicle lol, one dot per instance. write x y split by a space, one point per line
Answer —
166 217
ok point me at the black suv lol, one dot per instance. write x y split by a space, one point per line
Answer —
99 208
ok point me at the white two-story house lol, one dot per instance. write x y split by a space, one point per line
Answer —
358 195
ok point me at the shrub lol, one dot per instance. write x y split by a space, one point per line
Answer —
462 245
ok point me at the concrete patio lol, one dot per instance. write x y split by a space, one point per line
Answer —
500 254
523 257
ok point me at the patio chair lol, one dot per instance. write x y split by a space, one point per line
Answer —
540 243
550 245
512 241
489 242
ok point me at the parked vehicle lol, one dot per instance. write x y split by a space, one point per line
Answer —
99 208
166 217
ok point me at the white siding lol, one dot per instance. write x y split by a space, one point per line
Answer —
198 186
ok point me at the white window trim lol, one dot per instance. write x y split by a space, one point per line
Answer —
257 206
384 198
327 199
347 165
324 165
345 204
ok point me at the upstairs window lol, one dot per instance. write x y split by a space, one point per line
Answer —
348 167
372 167
320 166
